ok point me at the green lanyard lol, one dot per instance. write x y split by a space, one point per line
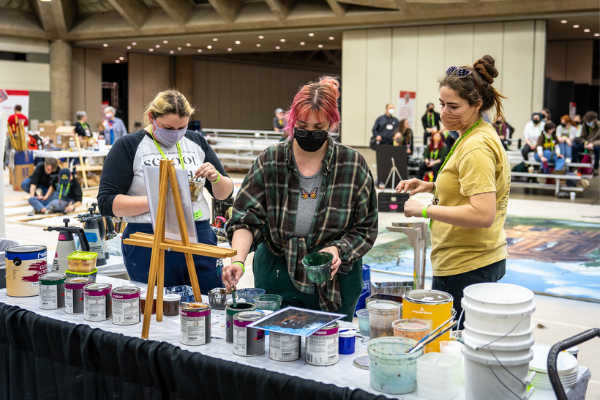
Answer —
163 154
431 120
475 125
435 154
61 188
551 141
84 125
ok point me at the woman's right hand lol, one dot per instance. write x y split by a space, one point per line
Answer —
544 159
415 186
231 276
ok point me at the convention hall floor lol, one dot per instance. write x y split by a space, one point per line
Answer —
556 318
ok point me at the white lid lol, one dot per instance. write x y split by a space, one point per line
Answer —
171 297
348 333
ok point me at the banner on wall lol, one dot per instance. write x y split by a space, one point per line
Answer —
406 106
10 98
572 109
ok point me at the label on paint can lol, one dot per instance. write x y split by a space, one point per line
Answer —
284 347
49 297
126 305
247 341
97 302
195 324
74 294
322 347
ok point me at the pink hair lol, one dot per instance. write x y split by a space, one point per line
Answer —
319 97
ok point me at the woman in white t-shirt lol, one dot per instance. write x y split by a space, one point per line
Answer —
565 133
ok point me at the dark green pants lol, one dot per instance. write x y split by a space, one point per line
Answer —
271 274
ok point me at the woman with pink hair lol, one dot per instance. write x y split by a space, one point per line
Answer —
304 195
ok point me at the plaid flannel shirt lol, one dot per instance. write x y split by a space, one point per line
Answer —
346 216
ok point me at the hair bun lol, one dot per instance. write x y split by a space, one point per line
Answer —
331 81
485 67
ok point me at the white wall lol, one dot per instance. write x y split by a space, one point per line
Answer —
378 63
20 75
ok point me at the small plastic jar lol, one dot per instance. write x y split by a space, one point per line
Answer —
347 341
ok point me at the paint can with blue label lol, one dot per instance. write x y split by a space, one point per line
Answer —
24 266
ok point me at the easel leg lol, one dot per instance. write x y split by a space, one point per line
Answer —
193 277
150 293
160 285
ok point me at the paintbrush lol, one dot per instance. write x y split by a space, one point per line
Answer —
233 296
435 330
423 344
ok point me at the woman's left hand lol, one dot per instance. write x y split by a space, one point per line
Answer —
208 171
336 262
413 208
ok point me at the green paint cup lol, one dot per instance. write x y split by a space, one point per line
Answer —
270 302
318 266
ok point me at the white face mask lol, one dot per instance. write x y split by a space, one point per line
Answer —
391 111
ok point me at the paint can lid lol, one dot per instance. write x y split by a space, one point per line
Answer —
55 277
428 296
126 290
195 307
248 316
98 286
26 249
347 333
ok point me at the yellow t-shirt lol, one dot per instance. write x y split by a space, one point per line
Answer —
479 165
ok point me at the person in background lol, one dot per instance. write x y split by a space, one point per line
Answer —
82 129
278 124
66 192
434 156
546 116
17 116
565 133
404 136
548 149
592 138
431 122
531 133
41 178
385 126
504 131
578 142
114 127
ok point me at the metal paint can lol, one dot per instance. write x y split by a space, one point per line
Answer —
284 347
74 294
248 342
52 291
195 323
97 303
24 265
322 347
431 306
126 305
230 311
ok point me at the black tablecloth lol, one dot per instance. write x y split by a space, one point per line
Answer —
43 358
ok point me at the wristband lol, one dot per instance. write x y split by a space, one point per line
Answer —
218 177
424 211
241 264
433 190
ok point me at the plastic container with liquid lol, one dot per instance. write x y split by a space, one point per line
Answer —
82 261
391 369
382 314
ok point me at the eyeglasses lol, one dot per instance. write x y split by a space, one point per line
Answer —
302 133
463 72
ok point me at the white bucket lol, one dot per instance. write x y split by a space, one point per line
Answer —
486 379
512 342
497 322
499 296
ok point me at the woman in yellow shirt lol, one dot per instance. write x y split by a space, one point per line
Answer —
472 187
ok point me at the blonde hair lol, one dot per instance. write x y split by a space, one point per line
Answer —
168 102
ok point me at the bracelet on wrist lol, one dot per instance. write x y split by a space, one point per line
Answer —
424 211
218 178
433 189
241 264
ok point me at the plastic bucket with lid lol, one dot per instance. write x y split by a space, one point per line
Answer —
486 379
382 314
499 296
512 342
391 370
497 322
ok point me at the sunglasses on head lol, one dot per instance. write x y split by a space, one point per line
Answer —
302 133
463 72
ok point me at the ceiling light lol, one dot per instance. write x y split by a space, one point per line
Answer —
117 61
320 46
172 52
596 34
133 43
47 0
302 43
229 49
261 37
121 58
128 47
311 34
277 47
331 38
105 45
238 42
215 39
564 21
188 44
586 30
157 46
282 40
575 26
165 41
150 50
257 44
209 47
199 50
179 48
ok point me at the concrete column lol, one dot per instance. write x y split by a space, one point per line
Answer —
60 81
184 76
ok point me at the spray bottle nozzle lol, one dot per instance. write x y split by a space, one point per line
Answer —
66 221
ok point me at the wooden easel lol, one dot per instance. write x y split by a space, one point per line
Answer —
159 244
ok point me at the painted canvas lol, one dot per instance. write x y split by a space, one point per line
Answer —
296 321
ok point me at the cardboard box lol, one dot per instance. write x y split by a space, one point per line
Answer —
23 168
48 130
63 141
58 124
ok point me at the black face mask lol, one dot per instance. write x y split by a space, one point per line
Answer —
430 110
536 121
310 141
498 122
576 123
563 125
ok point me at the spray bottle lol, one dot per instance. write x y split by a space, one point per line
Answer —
91 227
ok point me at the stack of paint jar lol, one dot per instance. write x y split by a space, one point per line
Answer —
498 336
